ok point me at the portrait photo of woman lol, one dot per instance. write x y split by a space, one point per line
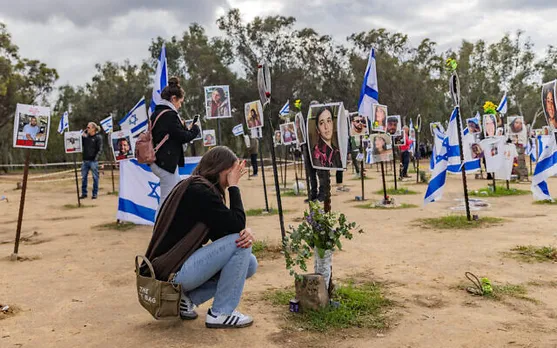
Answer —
490 125
253 112
379 121
323 136
381 145
548 101
516 125
277 139
288 133
476 151
217 102
300 129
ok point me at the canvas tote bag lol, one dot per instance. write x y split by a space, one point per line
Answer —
160 298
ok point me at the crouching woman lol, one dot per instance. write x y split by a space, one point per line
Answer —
216 270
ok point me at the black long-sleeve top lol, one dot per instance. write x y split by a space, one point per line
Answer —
171 154
200 203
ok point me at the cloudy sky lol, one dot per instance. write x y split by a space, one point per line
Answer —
72 36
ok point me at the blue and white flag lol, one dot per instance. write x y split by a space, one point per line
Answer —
161 80
106 124
285 111
409 132
453 150
440 163
369 94
530 149
545 168
136 120
502 108
139 194
238 130
64 123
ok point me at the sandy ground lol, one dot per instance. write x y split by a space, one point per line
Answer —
77 287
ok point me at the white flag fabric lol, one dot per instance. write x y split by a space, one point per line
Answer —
545 168
160 81
285 110
503 105
136 120
238 130
446 155
106 124
64 123
369 94
506 168
139 193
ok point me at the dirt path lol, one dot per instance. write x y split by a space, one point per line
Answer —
76 288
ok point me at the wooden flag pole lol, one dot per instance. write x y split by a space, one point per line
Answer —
384 183
76 180
394 161
21 205
362 178
263 174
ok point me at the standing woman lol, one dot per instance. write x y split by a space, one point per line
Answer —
170 155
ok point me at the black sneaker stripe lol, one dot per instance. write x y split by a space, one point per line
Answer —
236 321
227 319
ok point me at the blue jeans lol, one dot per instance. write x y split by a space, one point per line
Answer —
93 166
217 270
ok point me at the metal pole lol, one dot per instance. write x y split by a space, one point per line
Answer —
417 156
494 185
384 183
394 162
362 179
308 189
21 205
327 203
508 187
285 165
263 174
218 131
464 183
296 174
280 167
76 181
112 165
275 172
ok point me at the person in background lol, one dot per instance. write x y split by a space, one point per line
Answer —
253 151
405 153
92 149
170 155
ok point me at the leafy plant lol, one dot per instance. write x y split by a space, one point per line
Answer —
319 230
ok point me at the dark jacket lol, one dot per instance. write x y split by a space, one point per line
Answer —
191 202
171 154
92 147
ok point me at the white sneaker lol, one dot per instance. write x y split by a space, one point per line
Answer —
187 308
235 320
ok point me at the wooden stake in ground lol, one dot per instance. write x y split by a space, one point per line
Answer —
394 161
296 174
417 153
285 165
494 184
263 174
76 180
454 85
384 182
21 205
112 165
362 177
276 177
219 132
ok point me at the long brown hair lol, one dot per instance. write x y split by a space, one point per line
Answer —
217 160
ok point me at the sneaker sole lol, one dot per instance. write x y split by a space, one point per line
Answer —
192 317
222 326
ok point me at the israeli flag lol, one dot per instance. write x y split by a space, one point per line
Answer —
136 120
438 138
502 108
453 150
238 130
545 168
440 162
161 80
285 109
411 126
139 194
64 123
106 124
530 149
369 93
